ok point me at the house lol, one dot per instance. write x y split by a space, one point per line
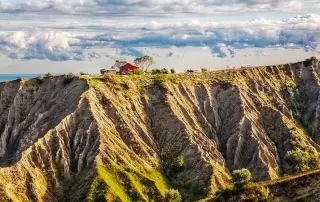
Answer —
128 68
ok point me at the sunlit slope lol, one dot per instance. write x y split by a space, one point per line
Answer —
134 138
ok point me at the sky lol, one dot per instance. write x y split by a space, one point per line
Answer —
60 36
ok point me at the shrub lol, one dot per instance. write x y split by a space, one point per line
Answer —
254 192
251 192
164 71
68 78
102 71
83 73
190 71
299 161
173 165
155 71
48 75
40 79
173 71
241 177
137 72
173 196
204 69
309 61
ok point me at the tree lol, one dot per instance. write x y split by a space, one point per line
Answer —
144 62
119 63
241 177
173 71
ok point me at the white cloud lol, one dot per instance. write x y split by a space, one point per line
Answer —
149 8
61 41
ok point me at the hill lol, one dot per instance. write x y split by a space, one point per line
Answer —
146 138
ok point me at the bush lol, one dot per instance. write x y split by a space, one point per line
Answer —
254 192
40 79
68 78
102 71
251 192
241 177
173 196
48 75
155 71
299 161
173 165
160 71
190 71
137 72
173 71
83 73
164 71
309 61
204 69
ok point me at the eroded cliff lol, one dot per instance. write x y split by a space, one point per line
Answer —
132 138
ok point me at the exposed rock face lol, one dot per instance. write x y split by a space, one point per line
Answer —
133 138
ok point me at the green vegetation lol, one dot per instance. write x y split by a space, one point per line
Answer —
68 78
48 75
173 71
299 160
241 177
119 63
117 183
137 72
251 192
159 71
40 79
144 62
254 192
83 73
172 195
172 165
103 71
309 61
300 107
204 69
98 190
243 189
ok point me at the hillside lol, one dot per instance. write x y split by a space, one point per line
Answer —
134 138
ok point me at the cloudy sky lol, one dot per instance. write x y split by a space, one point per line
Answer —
38 36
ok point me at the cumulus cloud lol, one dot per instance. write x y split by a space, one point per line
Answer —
152 7
85 41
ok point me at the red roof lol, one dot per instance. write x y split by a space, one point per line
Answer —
127 68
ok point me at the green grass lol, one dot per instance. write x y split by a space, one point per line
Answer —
128 184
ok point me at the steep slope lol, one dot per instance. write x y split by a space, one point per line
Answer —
132 138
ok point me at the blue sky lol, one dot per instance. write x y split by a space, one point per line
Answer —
53 35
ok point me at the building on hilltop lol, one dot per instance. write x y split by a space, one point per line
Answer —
128 69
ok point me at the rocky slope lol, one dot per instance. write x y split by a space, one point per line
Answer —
133 138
